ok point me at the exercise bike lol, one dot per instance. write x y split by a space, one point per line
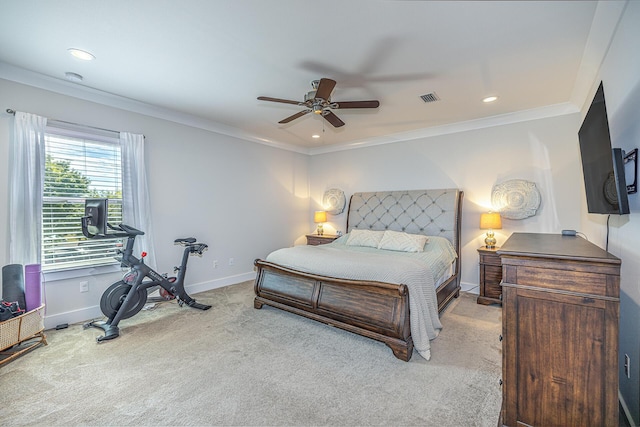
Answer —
127 297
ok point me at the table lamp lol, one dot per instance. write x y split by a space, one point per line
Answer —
319 217
490 221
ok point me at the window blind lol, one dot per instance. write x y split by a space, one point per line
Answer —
78 165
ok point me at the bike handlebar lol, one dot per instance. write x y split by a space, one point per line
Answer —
190 242
130 231
199 248
123 230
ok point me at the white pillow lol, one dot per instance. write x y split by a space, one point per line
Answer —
364 238
400 241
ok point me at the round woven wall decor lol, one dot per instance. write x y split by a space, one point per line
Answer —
516 199
334 201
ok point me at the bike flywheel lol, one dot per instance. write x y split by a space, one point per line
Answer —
115 295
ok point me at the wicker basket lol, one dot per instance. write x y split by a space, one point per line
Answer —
20 329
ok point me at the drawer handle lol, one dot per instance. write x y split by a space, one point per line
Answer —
500 382
500 338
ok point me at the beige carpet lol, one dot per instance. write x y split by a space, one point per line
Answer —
235 365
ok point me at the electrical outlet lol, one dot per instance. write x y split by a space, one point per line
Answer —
231 261
84 286
215 263
627 364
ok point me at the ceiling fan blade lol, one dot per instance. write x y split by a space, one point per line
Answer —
286 101
295 116
332 118
357 104
325 87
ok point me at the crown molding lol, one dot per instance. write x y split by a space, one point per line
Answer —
30 78
486 122
64 87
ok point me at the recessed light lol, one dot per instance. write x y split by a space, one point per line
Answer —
315 136
81 54
490 99
73 77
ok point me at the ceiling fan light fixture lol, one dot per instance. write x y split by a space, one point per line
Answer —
319 102
81 54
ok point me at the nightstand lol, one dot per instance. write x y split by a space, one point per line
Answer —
490 276
315 240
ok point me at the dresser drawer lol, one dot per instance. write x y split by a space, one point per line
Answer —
572 277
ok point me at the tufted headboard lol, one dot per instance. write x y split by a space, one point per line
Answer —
429 212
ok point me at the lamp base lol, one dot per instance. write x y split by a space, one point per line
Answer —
490 241
320 230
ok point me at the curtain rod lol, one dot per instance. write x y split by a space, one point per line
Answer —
13 112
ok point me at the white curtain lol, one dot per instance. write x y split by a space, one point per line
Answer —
26 180
136 206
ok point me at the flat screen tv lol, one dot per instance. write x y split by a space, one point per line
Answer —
602 166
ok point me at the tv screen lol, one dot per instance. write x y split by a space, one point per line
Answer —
602 166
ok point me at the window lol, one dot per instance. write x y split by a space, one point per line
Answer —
78 165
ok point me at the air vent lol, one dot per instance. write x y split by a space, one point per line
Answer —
430 97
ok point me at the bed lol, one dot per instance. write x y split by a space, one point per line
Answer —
386 295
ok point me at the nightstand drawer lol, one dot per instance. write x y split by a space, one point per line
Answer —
490 259
316 239
492 274
493 291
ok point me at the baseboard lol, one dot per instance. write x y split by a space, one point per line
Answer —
94 312
71 317
625 409
472 288
220 283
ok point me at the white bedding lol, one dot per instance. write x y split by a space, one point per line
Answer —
421 272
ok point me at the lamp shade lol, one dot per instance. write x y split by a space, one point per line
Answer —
320 216
490 221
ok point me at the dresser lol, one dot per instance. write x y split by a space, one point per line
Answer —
560 313
490 276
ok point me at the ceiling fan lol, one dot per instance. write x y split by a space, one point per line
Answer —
319 102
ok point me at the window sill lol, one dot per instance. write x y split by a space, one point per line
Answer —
53 276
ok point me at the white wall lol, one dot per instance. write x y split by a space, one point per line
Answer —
544 151
241 198
620 73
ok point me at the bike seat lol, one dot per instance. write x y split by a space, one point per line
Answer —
185 240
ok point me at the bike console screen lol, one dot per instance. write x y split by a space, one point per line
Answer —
95 212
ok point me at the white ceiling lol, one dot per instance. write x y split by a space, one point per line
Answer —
208 60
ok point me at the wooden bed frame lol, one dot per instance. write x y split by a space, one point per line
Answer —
372 309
